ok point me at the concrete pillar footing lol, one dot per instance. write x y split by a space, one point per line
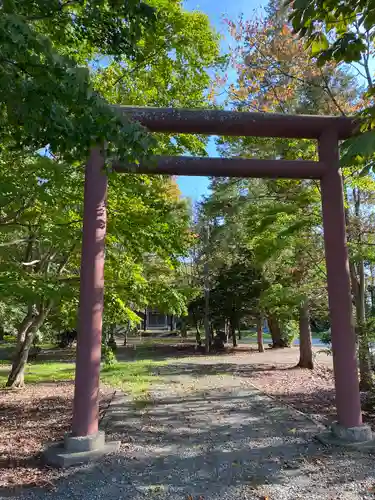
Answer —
360 437
79 450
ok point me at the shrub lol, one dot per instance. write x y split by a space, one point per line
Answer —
9 339
67 338
289 331
108 356
325 337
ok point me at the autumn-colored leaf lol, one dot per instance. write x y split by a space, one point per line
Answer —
53 402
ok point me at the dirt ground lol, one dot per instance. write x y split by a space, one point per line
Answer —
205 432
42 413
29 419
274 372
288 357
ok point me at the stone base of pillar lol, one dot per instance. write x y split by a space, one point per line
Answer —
353 437
79 450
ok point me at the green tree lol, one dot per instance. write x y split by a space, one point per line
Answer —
47 97
63 62
41 204
342 31
235 292
276 73
40 252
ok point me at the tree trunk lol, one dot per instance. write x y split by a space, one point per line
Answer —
24 327
226 330
239 332
366 377
126 333
371 289
17 373
145 325
198 338
183 328
305 343
359 292
366 381
207 329
260 335
233 332
207 333
276 334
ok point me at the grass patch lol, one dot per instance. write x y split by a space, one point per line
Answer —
151 341
267 336
49 372
43 372
132 377
250 334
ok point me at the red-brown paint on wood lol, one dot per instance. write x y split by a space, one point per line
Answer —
237 123
339 291
86 392
226 167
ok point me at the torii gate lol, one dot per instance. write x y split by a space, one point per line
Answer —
86 441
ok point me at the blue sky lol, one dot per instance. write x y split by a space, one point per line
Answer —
196 187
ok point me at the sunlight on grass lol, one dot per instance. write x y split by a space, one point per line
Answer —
150 342
49 372
44 372
132 377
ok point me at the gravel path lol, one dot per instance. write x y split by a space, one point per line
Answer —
208 436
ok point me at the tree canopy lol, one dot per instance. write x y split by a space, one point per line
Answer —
279 221
65 64
342 31
51 53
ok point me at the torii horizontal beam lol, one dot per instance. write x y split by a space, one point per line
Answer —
234 123
226 167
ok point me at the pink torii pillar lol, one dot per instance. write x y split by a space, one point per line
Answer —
86 390
86 442
339 291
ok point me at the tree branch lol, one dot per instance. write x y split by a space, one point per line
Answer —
66 259
330 93
14 242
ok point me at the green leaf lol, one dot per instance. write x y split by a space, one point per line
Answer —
362 146
318 44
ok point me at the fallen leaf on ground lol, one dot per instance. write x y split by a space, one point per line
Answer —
30 418
311 393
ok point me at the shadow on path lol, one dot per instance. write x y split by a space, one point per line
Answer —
211 436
